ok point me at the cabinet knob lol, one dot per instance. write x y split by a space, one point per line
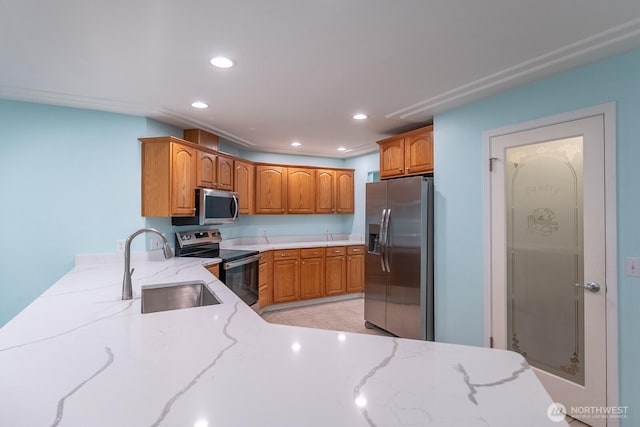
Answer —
408 168
400 170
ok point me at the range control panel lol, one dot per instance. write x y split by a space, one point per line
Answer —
193 238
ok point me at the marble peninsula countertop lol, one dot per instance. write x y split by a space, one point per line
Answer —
80 356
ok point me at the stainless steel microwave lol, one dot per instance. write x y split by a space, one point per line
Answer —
212 207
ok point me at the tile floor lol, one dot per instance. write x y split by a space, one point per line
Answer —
346 316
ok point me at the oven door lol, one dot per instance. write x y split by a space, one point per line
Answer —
241 276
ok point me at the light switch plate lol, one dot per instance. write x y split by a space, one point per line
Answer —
632 267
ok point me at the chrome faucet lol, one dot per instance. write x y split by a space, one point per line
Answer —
127 292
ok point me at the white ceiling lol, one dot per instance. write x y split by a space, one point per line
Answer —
303 67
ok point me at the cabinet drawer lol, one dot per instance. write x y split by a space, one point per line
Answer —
285 254
336 251
266 257
312 253
354 250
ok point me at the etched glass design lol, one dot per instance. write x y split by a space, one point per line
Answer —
545 255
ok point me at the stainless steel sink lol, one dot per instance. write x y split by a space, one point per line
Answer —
175 296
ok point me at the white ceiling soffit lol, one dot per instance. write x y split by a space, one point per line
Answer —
303 67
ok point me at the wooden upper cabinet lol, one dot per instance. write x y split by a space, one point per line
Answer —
244 185
206 176
325 191
172 168
418 151
183 173
410 153
168 177
271 189
392 157
214 171
344 191
225 173
301 190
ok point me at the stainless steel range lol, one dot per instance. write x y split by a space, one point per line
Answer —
239 269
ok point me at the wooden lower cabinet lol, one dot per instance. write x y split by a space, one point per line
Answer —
265 279
355 269
311 273
214 269
299 274
336 271
286 276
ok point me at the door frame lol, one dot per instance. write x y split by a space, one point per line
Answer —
608 110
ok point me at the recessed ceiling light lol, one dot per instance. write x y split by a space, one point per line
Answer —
295 144
221 62
342 149
360 116
199 104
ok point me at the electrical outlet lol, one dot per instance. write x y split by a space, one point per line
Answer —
155 244
120 246
632 267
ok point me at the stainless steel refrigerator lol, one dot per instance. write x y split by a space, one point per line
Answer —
399 261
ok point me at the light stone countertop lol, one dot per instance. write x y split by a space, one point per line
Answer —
292 242
80 356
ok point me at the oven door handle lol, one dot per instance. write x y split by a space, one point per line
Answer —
243 261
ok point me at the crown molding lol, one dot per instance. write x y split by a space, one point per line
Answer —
614 39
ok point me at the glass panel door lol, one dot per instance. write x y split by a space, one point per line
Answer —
545 255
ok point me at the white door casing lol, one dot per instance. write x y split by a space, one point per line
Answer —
596 126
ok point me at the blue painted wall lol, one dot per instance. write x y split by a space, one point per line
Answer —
69 184
459 208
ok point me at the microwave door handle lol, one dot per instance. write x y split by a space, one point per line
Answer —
237 206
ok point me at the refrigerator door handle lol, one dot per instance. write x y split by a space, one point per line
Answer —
382 239
386 241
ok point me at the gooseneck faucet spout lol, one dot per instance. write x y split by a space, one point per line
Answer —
127 292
